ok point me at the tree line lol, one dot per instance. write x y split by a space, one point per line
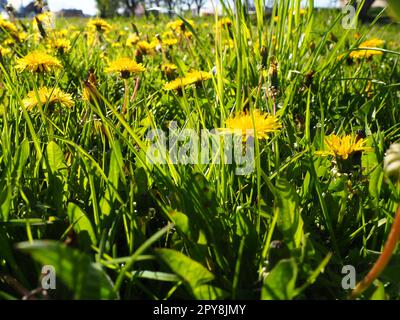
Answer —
109 8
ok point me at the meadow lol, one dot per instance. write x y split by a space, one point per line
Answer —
77 192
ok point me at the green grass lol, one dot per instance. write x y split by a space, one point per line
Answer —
77 193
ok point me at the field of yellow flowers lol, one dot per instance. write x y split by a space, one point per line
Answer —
78 195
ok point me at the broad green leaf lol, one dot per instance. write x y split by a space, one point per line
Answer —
156 275
373 168
289 218
209 292
280 283
183 223
22 157
80 222
379 293
190 271
55 157
116 167
56 171
85 279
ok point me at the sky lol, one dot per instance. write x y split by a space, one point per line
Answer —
89 6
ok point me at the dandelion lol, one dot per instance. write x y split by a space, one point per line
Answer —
373 43
90 93
20 36
132 40
368 53
38 61
224 22
196 77
61 45
169 42
343 147
146 48
168 34
4 51
365 54
99 25
63 33
193 77
263 124
8 26
125 66
177 84
48 95
228 44
168 68
187 34
178 25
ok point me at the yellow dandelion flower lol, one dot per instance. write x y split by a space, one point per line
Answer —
132 40
145 47
343 147
193 77
7 26
178 25
264 124
177 84
116 45
125 66
188 34
303 12
168 68
4 51
38 61
63 33
49 96
169 42
21 36
228 44
168 34
198 76
368 53
224 22
99 25
372 43
61 45
365 54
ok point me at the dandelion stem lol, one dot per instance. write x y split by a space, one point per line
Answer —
383 260
126 97
135 91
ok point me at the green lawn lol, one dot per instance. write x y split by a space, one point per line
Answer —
77 191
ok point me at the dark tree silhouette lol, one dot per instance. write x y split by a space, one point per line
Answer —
365 8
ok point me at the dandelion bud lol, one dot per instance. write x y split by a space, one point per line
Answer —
392 161
264 55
